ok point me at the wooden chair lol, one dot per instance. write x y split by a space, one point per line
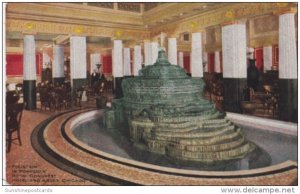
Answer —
13 121
12 97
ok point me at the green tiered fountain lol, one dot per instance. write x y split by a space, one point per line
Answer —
165 111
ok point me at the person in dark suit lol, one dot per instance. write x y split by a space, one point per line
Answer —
252 75
95 78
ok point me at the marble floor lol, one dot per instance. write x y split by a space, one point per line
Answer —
23 159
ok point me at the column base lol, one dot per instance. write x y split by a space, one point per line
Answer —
29 93
118 87
288 100
234 94
58 80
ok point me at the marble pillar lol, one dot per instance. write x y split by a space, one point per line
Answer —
154 52
234 66
95 58
267 52
217 65
288 85
126 62
147 53
118 71
137 61
46 68
151 52
58 64
196 56
78 61
172 51
29 72
180 59
287 47
46 60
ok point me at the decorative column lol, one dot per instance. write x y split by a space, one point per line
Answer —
147 53
29 72
172 51
154 52
46 70
267 52
46 60
217 66
180 59
126 63
78 61
234 65
137 60
288 85
58 64
205 61
95 58
117 67
196 56
151 52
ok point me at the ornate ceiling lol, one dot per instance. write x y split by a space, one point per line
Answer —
132 22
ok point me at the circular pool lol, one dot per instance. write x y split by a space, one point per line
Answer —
76 142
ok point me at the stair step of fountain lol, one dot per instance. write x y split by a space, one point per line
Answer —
209 148
197 133
237 152
207 141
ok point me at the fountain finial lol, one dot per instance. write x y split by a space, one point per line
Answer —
162 56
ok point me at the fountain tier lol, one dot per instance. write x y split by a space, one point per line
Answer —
165 111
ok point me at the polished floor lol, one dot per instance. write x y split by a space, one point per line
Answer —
26 166
23 159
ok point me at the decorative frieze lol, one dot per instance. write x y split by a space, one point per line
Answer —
16 25
220 16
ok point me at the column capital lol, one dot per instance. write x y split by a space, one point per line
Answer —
285 11
229 23
267 45
198 31
117 38
24 33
